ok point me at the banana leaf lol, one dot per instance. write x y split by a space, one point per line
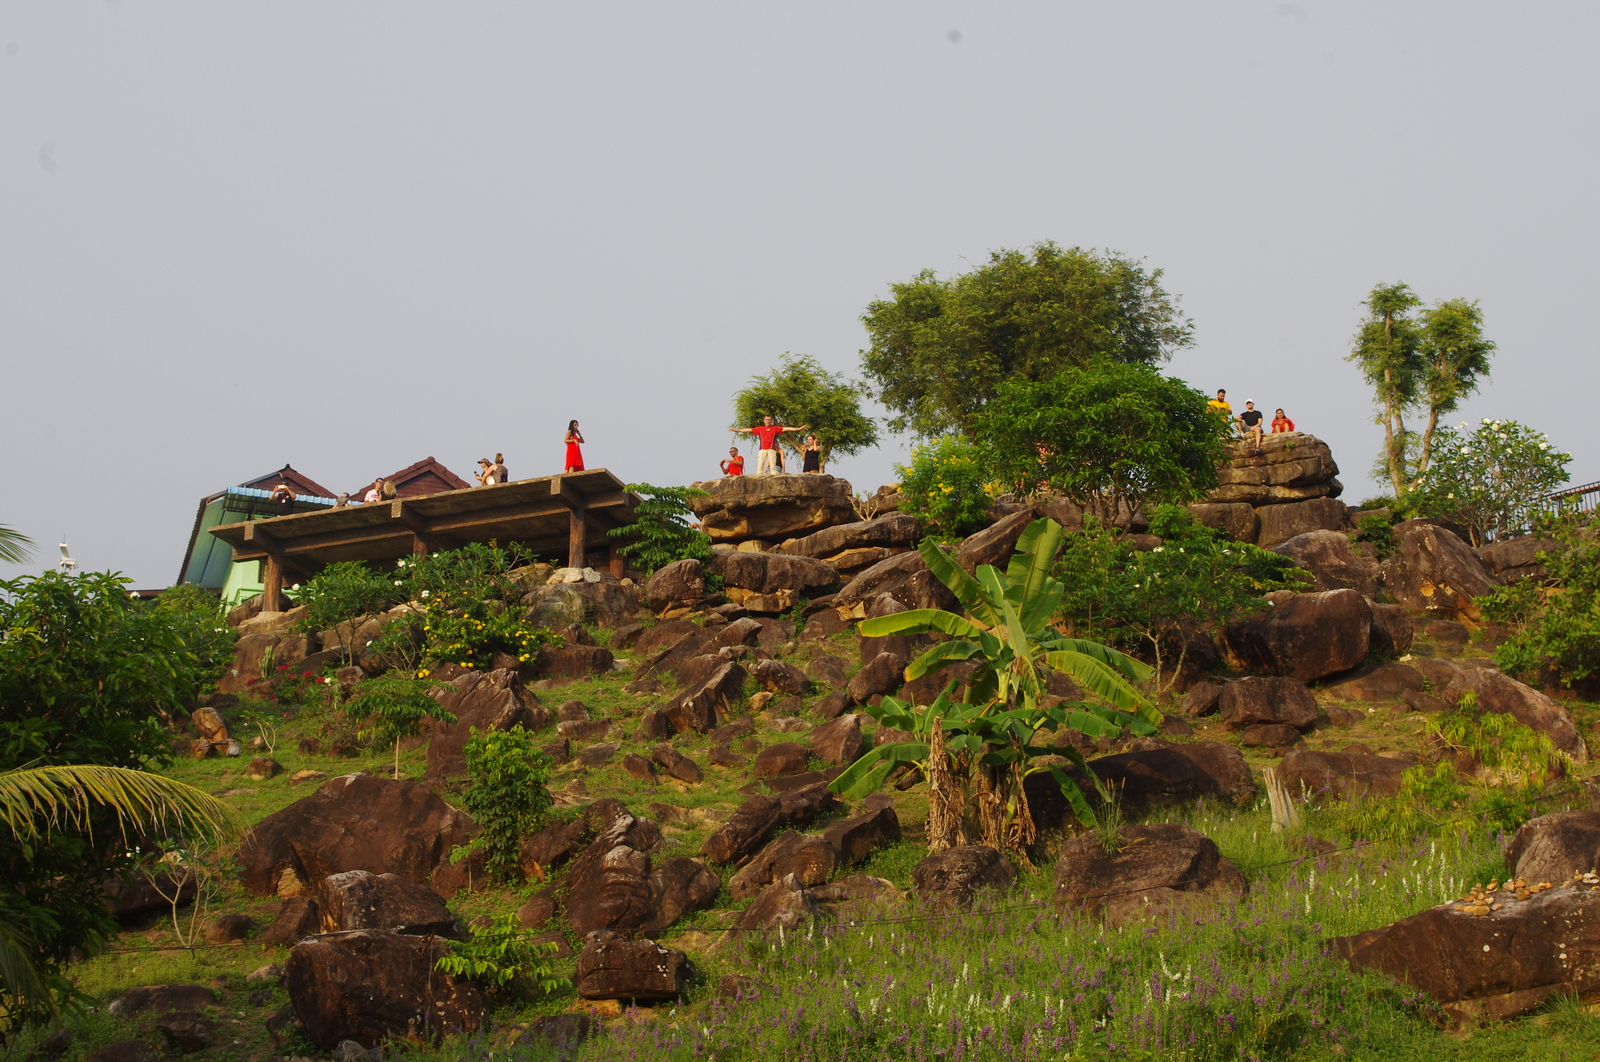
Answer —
939 655
868 773
919 621
965 587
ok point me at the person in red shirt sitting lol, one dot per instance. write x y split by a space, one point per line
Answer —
733 464
768 431
1281 423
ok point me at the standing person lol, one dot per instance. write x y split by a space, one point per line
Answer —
282 499
768 460
1281 423
501 473
574 439
733 464
1250 424
813 455
374 492
1219 405
485 473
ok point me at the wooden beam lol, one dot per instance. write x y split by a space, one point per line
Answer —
619 563
272 584
421 533
577 539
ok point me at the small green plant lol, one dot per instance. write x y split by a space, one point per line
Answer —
395 706
507 795
945 487
344 591
661 532
502 956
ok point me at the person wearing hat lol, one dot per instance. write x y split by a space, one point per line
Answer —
282 499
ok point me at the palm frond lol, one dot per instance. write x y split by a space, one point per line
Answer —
15 547
36 799
19 973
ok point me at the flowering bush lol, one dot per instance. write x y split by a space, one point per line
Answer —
945 487
463 630
1492 480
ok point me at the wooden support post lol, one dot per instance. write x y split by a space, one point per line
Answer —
577 538
619 563
272 583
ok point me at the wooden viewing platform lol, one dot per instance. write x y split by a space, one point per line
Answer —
574 510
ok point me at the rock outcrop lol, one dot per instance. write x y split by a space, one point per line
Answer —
1435 571
370 985
481 701
1302 636
771 508
1157 869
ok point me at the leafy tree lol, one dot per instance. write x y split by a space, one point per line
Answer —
1559 625
978 755
945 487
395 706
1109 436
1427 363
507 795
1491 480
941 348
15 547
661 532
198 614
86 676
343 591
801 391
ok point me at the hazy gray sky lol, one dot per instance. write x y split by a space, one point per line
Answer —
350 235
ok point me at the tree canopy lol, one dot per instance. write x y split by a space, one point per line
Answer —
1109 436
800 391
940 349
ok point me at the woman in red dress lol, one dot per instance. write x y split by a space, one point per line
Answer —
574 441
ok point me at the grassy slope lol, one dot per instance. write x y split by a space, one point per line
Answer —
1012 982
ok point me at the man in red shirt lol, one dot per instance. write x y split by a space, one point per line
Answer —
733 464
768 431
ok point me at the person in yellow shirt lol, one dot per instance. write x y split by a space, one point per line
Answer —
1219 405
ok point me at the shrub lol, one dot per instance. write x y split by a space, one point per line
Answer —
661 531
199 618
502 955
507 794
1561 624
395 706
1493 480
344 591
462 629
945 487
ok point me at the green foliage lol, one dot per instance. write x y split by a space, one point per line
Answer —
940 349
197 614
977 755
86 676
801 391
507 794
946 488
466 600
343 591
1109 436
1493 480
394 706
502 956
460 628
661 531
15 547
480 569
1560 624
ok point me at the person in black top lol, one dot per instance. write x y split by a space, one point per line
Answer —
813 455
282 499
1250 424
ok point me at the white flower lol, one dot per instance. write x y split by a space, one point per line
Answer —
1544 446
399 564
296 586
397 582
425 593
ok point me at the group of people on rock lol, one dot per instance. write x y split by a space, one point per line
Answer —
769 459
1248 422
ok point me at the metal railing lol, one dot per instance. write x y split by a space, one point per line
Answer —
1578 499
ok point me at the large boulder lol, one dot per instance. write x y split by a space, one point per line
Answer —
679 886
1332 562
774 508
1516 558
995 543
559 665
784 904
708 704
1340 775
1291 467
809 859
1255 701
954 876
359 899
1157 867
357 822
892 530
1554 847
1173 774
613 966
1237 519
882 675
1489 961
1498 692
607 601
756 819
679 584
905 576
838 742
249 653
1386 682
609 887
1280 523
481 701
1302 636
777 579
370 985
1433 570
1391 631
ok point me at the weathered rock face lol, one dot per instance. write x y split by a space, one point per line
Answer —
780 677
838 742
1385 682
808 859
357 822
882 675
1554 847
784 904
680 886
1253 701
1435 571
482 701
681 583
891 531
995 543
1158 868
860 835
572 663
1302 636
1174 774
955 874
1391 631
905 576
611 966
1237 519
1332 562
775 508
605 601
707 705
610 881
755 820
358 899
1280 523
248 654
1494 965
1516 558
1292 466
370 985
1498 692
775 575
1340 775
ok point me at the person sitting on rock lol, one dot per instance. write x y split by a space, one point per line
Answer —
733 464
282 499
1281 423
1219 405
768 460
1250 424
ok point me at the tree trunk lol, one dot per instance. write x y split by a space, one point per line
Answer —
944 803
1425 453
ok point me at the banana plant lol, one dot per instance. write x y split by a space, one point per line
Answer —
977 753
